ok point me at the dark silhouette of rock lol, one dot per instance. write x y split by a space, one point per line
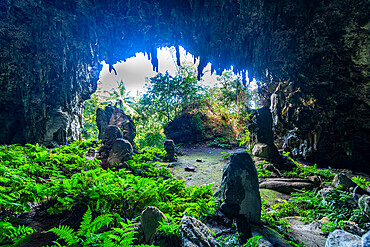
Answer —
240 193
196 234
169 146
189 169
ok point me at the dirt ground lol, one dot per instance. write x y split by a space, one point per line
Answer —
207 161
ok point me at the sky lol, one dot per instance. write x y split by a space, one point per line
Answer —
134 71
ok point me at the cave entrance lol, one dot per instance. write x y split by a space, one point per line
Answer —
124 84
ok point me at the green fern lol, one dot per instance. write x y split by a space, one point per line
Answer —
13 236
66 233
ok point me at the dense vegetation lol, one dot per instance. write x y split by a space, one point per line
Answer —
61 179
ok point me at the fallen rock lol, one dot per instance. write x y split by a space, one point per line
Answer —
189 169
121 151
287 185
341 180
340 238
274 171
352 227
196 234
270 237
150 219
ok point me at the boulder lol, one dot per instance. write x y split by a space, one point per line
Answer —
340 238
111 133
150 219
109 136
365 240
116 117
364 204
265 151
341 180
239 190
121 151
196 234
352 227
169 146
274 171
287 185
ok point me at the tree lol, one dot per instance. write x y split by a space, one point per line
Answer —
166 95
119 97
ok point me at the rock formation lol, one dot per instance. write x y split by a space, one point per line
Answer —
169 146
116 117
196 234
240 194
310 57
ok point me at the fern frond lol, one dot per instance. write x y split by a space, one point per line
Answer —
85 224
66 233
100 221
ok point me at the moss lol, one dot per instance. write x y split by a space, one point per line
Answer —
271 196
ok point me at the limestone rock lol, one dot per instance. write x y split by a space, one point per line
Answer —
110 134
340 238
121 151
239 188
365 240
352 227
196 234
169 146
113 116
310 235
341 180
287 185
150 219
364 204
274 171
265 151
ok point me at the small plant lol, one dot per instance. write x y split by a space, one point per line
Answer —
95 232
360 181
225 155
169 227
13 236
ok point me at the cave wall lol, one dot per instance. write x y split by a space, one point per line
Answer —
310 57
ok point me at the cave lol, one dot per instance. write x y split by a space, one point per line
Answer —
310 58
